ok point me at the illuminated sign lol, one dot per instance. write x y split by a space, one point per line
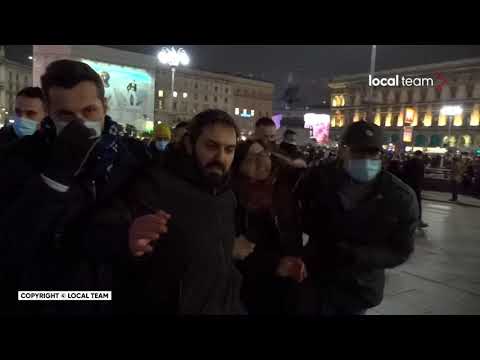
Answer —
409 116
407 134
277 119
148 125
245 114
130 92
320 125
450 110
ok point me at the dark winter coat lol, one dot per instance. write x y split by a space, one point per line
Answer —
43 239
414 173
7 137
349 250
191 270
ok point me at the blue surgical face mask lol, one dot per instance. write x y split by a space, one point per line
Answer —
161 145
363 170
24 126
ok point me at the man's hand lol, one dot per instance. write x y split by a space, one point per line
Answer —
292 267
145 230
242 248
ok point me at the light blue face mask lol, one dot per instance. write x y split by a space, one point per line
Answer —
24 126
161 145
363 170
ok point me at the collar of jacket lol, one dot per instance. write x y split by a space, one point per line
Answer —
184 166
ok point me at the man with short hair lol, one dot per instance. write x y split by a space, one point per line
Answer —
52 183
360 220
266 133
30 110
288 146
178 132
182 227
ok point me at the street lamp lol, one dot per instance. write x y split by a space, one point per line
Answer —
451 111
173 58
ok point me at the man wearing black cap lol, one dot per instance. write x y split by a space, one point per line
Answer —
360 221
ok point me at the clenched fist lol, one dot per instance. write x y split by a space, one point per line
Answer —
242 248
145 230
292 267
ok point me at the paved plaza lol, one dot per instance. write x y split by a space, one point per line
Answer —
443 275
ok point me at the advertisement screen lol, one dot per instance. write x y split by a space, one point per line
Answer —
277 119
407 134
320 126
129 93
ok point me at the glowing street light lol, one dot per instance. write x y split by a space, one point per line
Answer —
451 111
30 58
173 58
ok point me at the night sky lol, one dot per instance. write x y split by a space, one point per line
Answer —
311 65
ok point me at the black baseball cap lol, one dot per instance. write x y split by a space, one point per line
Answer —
363 136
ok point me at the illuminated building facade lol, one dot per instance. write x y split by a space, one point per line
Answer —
444 115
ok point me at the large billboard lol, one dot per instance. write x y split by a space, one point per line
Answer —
319 124
129 92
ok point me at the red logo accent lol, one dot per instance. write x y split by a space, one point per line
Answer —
442 79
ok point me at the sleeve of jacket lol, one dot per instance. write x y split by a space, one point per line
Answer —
28 217
288 212
395 250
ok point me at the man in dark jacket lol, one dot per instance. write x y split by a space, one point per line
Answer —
52 183
413 175
30 110
360 220
181 257
288 146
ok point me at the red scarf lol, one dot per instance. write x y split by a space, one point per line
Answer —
256 195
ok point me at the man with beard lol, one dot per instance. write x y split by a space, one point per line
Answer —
182 227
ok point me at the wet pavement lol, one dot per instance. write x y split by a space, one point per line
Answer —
443 275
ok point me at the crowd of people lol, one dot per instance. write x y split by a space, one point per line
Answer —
194 222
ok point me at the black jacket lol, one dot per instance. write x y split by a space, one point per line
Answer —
414 173
290 151
43 241
7 137
348 251
191 270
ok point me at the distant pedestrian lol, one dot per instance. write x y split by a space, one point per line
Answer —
456 176
414 174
